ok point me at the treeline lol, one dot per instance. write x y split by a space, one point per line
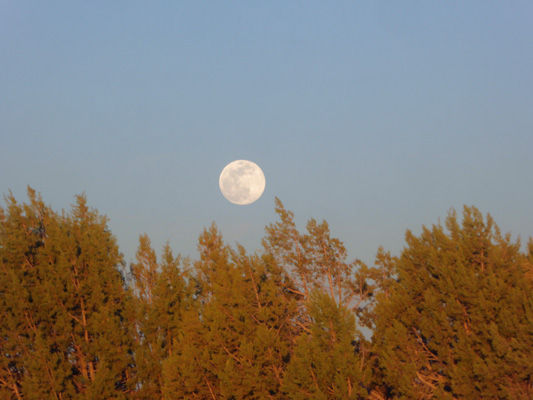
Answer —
450 318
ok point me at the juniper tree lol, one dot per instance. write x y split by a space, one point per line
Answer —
455 320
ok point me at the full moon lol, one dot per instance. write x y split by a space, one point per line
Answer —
242 182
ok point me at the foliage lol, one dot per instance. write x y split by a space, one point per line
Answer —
315 261
163 295
455 319
62 329
451 317
237 339
325 363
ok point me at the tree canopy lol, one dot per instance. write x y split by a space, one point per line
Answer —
451 317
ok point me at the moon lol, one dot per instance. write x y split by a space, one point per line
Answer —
242 182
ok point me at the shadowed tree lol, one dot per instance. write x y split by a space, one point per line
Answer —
454 319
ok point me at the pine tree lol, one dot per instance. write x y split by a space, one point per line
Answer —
315 260
454 319
236 342
161 297
62 330
316 263
22 233
325 363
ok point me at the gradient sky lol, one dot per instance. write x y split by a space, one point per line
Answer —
378 116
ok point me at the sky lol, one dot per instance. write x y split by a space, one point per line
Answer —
377 116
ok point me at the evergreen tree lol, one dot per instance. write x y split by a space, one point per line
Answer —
454 320
451 317
62 331
22 233
236 342
316 263
161 297
315 260
325 363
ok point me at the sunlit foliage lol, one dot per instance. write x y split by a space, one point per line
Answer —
456 320
450 318
63 305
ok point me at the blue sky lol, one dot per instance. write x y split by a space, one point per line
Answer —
376 116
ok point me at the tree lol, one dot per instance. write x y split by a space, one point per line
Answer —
161 297
236 342
453 319
325 363
328 290
315 260
62 332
